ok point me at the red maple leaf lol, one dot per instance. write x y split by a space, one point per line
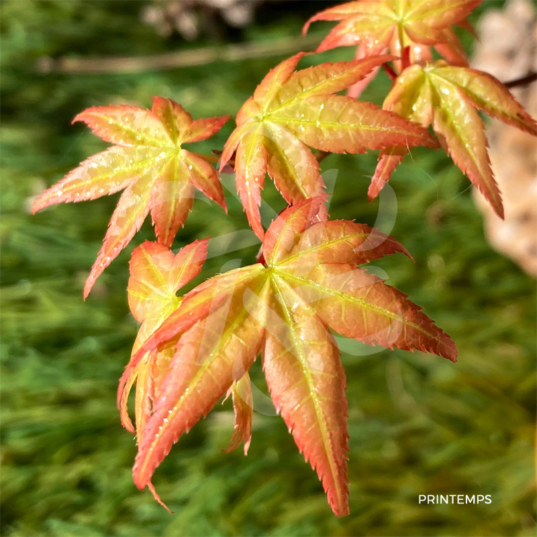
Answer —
377 26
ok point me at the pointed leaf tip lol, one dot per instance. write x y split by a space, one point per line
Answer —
243 404
287 228
448 97
157 497
156 275
307 384
227 341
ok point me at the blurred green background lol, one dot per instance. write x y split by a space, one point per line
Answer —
418 424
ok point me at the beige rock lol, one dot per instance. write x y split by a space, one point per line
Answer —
508 50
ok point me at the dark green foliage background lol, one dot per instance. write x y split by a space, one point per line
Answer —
418 424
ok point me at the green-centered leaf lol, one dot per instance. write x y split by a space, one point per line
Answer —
380 25
209 357
310 284
448 98
293 111
250 169
307 384
156 274
148 161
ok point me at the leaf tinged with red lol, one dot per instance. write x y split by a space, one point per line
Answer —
156 274
452 49
125 125
131 211
171 201
204 178
250 169
311 284
292 110
307 384
462 135
489 95
147 160
341 125
243 407
104 173
378 25
340 241
324 79
292 166
214 353
287 229
198 304
272 83
356 90
359 305
389 159
447 97
126 382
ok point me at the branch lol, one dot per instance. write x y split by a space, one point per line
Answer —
174 60
524 81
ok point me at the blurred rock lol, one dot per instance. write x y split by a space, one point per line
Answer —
508 50
190 17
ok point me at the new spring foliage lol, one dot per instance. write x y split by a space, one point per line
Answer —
191 351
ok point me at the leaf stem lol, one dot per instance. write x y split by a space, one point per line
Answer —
406 58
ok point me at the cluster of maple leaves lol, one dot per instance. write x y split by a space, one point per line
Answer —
193 350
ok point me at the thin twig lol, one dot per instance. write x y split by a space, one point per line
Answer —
524 81
175 60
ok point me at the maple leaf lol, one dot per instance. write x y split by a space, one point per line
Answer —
148 162
290 111
448 98
376 26
285 309
156 274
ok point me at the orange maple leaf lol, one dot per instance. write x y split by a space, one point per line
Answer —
285 309
148 162
448 98
290 111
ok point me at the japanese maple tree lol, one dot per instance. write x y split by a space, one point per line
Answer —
192 351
